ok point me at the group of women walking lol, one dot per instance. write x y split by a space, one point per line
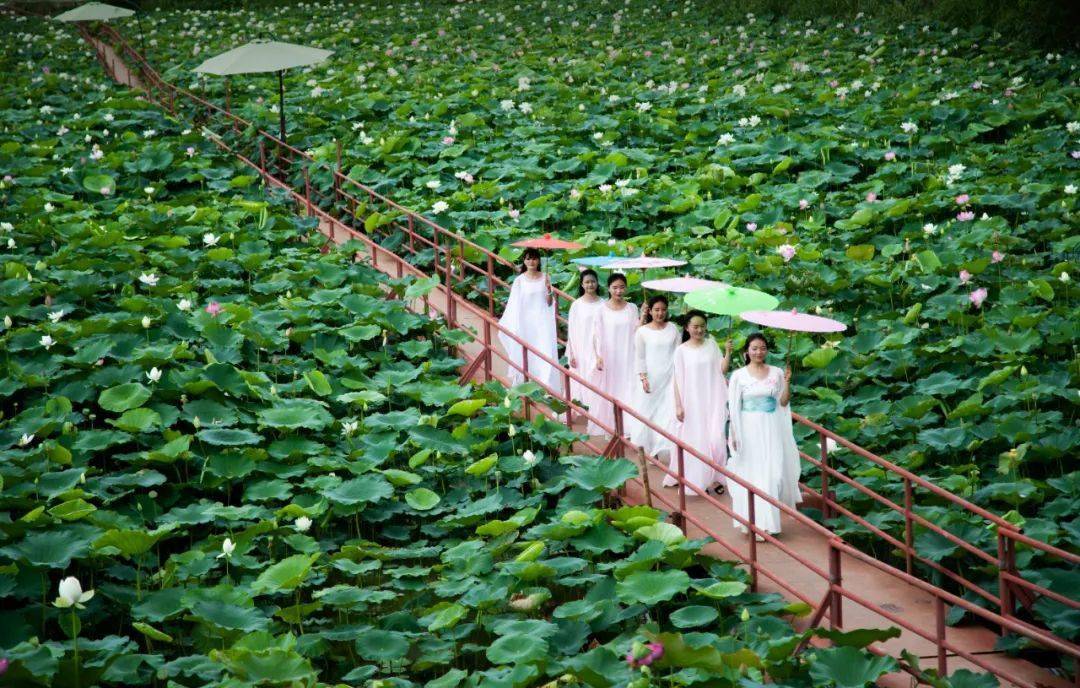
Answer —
674 378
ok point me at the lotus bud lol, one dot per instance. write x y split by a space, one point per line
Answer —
745 615
7 321
512 431
196 422
146 321
1023 371
506 401
227 548
71 594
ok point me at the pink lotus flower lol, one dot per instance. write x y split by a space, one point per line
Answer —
966 216
647 53
643 655
1075 154
46 70
803 204
751 226
997 257
442 32
514 213
3 665
962 199
978 296
890 155
871 197
447 140
787 252
965 277
190 151
834 83
213 308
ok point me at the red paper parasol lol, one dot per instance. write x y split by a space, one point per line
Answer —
548 242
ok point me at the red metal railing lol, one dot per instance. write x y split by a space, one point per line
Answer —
278 162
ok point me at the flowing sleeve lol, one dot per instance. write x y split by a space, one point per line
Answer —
734 396
598 333
639 351
511 321
678 376
573 324
792 468
721 383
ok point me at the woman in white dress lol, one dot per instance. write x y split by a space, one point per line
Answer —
654 350
613 342
580 330
700 403
762 441
530 314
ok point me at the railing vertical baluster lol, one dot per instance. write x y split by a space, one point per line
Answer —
569 398
836 578
680 458
1004 587
525 375
751 516
412 234
487 351
491 284
307 190
826 506
942 657
909 534
619 430
262 160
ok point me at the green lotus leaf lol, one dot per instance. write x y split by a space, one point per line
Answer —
693 616
422 499
516 649
596 473
381 646
228 437
847 667
296 413
124 397
652 587
365 489
284 575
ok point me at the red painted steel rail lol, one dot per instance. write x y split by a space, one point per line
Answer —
468 272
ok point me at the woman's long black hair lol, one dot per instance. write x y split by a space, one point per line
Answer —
589 272
749 340
531 253
686 323
653 300
615 277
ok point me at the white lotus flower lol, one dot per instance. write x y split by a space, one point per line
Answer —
349 427
1064 277
227 548
439 207
7 321
71 594
49 207
146 321
209 239
55 316
154 375
184 305
1072 127
1070 189
725 139
26 439
11 243
47 342
6 226
909 127
148 190
302 524
149 279
929 228
530 458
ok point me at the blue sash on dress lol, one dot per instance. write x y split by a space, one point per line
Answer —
762 404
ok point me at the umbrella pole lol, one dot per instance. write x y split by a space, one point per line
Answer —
791 337
281 102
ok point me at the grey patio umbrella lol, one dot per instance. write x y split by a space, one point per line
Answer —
94 11
265 56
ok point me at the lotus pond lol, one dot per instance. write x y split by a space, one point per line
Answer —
228 458
916 181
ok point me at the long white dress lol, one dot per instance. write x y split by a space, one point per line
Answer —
530 317
613 340
654 351
700 385
580 331
766 456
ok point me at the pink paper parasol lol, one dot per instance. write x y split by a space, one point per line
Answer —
643 262
548 242
793 321
682 285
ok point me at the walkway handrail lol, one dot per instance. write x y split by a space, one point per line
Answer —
1007 533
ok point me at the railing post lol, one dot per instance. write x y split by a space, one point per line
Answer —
619 430
909 535
337 172
1004 587
836 578
491 284
680 460
569 400
939 614
262 160
412 233
826 508
525 376
307 190
487 351
751 515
